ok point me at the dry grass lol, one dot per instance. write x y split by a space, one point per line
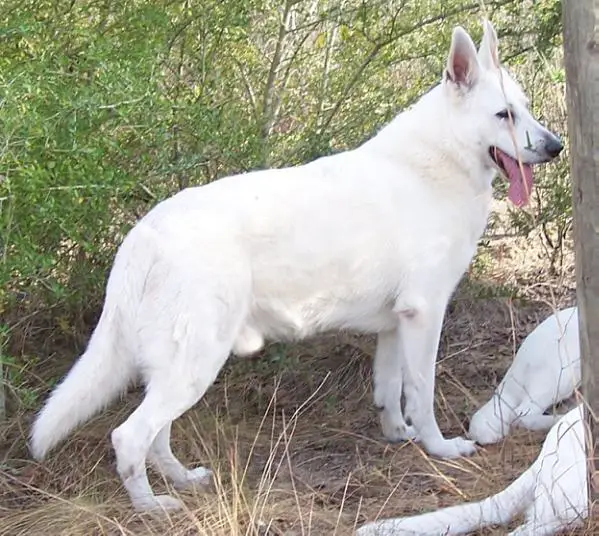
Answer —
293 437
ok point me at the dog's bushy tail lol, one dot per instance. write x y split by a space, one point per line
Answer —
106 368
98 377
462 519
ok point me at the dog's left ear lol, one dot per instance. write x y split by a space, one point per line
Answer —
488 54
463 68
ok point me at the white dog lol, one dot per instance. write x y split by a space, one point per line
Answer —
545 371
373 239
551 493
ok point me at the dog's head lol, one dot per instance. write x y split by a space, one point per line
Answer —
502 129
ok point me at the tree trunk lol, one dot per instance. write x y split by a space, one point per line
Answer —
581 52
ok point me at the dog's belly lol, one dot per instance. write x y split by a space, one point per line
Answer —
279 321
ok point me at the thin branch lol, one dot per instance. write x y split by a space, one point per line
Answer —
352 82
272 72
290 62
324 82
248 87
122 103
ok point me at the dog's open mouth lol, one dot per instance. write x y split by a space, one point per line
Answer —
518 175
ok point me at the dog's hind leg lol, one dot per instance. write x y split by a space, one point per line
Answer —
170 392
162 457
420 323
388 387
131 440
183 347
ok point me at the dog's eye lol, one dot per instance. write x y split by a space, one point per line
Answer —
505 114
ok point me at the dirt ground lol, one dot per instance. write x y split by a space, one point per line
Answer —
293 436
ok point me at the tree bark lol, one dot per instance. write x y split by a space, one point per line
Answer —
581 54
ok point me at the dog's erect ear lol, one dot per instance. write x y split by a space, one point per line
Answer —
462 64
487 52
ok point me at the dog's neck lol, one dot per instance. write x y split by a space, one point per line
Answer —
412 129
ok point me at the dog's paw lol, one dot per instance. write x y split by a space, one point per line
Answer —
200 477
486 435
452 448
158 504
397 434
485 429
395 429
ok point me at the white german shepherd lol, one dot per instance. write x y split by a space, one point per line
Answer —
552 494
374 239
545 371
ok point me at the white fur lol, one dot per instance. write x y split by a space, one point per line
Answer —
551 493
545 371
373 239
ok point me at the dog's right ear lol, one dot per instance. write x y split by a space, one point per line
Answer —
487 53
462 64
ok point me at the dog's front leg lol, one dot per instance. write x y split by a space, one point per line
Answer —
388 387
420 322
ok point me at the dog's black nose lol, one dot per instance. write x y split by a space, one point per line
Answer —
553 146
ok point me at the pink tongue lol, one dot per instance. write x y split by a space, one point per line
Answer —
520 185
